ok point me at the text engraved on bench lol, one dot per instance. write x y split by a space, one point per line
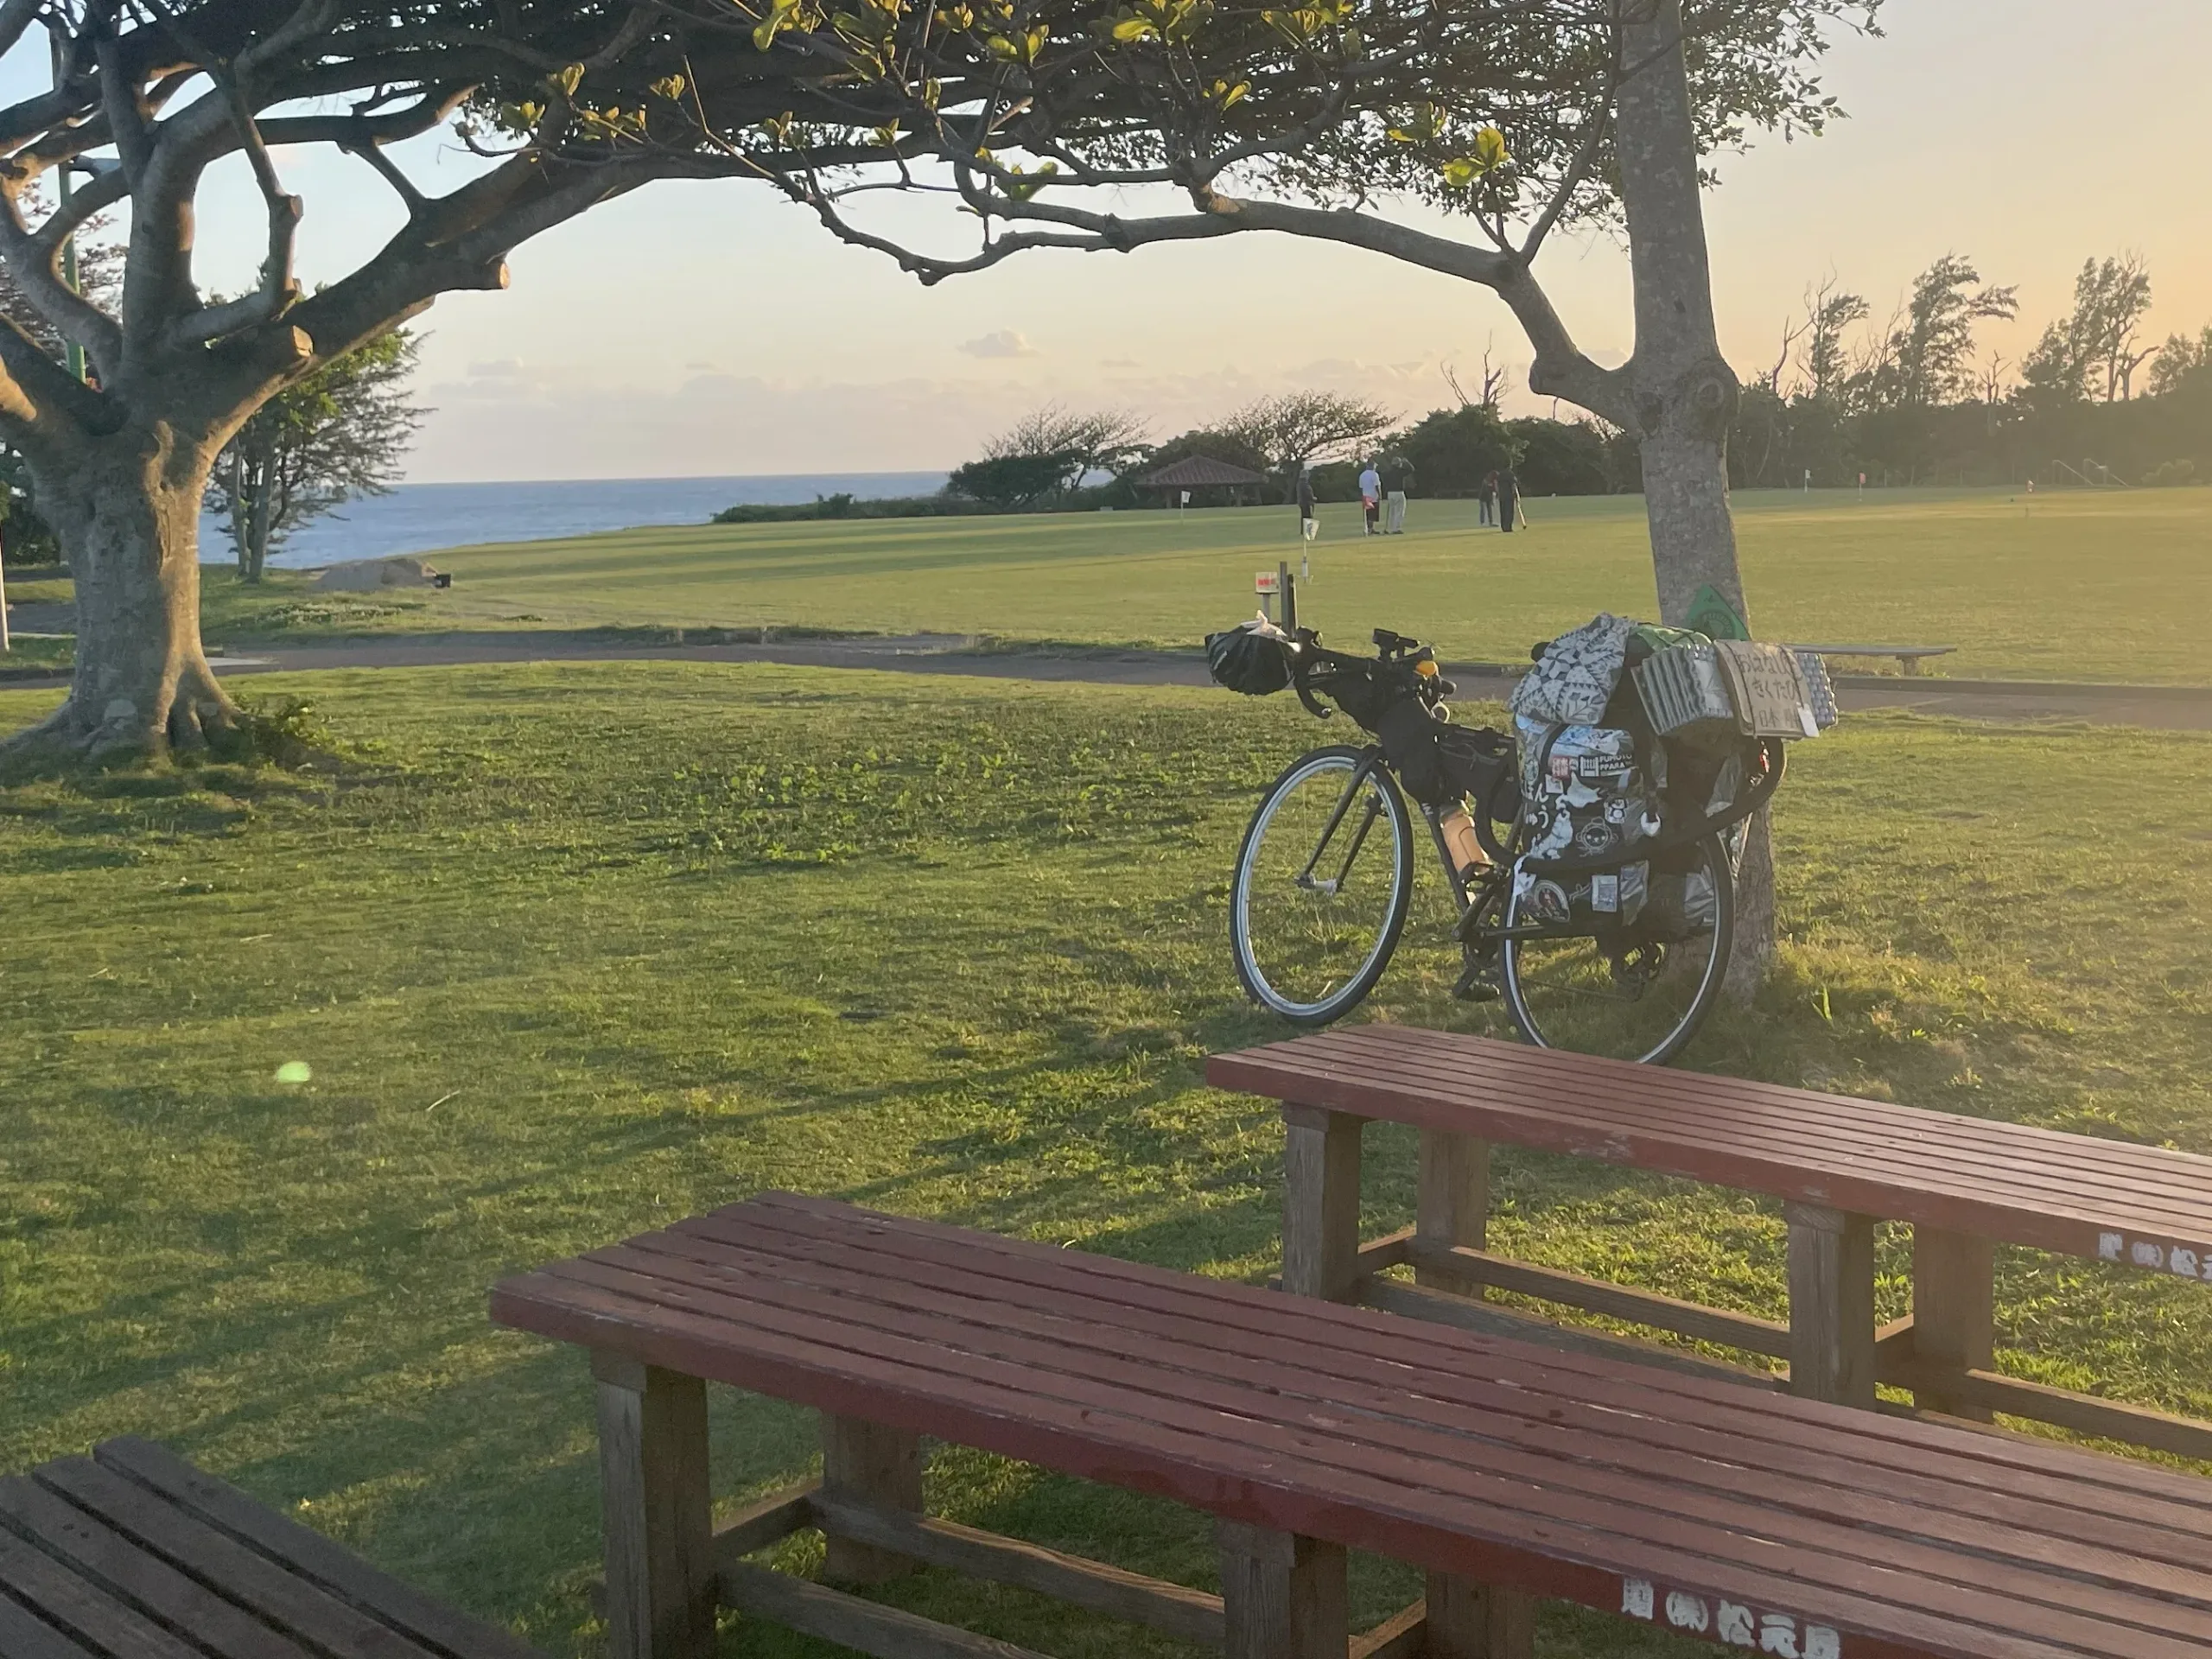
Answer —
2183 1260
1785 1636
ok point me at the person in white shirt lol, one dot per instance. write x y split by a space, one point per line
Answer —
1370 495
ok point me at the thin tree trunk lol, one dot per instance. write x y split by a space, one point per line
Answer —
126 511
1685 392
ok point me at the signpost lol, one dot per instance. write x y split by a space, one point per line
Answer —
1277 592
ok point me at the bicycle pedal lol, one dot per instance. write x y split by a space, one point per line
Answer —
1475 984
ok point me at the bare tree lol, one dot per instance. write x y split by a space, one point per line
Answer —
1496 382
1103 440
1829 312
1296 429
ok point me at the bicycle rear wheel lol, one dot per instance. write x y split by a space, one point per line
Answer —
1645 998
1324 879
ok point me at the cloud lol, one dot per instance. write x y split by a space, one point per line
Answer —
505 368
1002 342
1118 363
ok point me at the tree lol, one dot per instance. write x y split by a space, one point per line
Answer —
1297 428
565 106
316 445
1929 360
2091 352
1824 363
1519 119
1012 482
98 262
1103 441
2183 363
1451 449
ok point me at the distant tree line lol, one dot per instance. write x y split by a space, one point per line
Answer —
1912 399
1056 459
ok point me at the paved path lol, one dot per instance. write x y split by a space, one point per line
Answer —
2170 708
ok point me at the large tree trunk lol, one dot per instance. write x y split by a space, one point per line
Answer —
1685 392
126 511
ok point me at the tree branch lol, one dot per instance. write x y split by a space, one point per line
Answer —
37 393
35 268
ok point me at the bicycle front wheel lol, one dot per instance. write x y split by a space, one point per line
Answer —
1323 883
1639 996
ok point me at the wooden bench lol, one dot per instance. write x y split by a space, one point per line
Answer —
133 1553
1909 658
1838 1166
1790 1527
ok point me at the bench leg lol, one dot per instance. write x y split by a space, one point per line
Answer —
1283 1597
868 1463
1954 1315
1320 1202
1468 1620
1453 1207
657 1512
1831 1304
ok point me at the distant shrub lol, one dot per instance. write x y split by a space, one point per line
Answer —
843 506
2170 473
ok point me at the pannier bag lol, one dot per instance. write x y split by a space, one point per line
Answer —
1253 658
1583 790
1596 900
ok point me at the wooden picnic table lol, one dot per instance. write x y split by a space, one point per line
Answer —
1839 1165
1798 1529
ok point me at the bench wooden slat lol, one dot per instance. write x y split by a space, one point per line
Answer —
124 1567
1673 1098
2177 1501
1731 1110
1273 1458
2034 1169
1385 1515
1676 1123
46 1587
1598 1475
344 1576
291 1602
1516 1415
24 1636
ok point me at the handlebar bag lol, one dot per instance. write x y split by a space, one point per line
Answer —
1251 658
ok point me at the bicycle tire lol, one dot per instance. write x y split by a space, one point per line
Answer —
1532 1025
1358 768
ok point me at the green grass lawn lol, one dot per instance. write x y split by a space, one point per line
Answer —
2102 587
572 952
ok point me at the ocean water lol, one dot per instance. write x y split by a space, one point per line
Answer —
423 517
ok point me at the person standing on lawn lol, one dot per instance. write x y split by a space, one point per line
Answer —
1308 526
1487 500
1509 498
1370 496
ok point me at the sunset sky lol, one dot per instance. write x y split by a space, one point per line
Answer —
704 329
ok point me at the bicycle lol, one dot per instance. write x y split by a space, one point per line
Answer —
1619 951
